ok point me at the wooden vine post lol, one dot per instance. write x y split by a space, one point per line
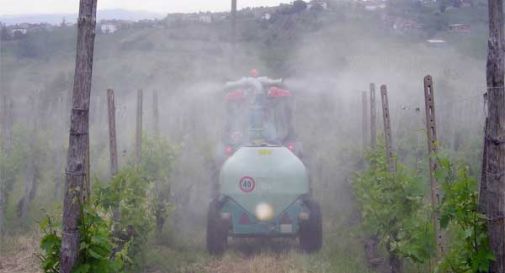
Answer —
373 117
138 138
494 138
364 128
111 107
156 114
233 31
31 172
78 137
394 260
431 131
387 128
6 121
234 20
373 241
5 141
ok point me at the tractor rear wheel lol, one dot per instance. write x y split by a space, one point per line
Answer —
217 230
311 230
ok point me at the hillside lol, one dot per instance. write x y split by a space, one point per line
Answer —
327 58
56 19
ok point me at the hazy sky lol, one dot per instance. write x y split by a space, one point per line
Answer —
161 6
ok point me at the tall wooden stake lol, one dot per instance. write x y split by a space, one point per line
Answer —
364 128
495 137
234 19
431 131
138 138
156 114
387 128
373 117
111 106
233 31
5 141
31 170
394 261
78 137
6 121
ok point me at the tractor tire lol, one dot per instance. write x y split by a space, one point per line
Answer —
311 231
217 230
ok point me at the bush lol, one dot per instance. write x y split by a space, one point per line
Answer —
392 209
96 245
126 198
158 158
468 247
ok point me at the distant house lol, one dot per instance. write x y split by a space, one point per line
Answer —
202 17
18 31
405 25
467 3
436 42
108 28
266 17
461 28
317 4
373 7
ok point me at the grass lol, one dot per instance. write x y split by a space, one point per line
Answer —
341 253
17 254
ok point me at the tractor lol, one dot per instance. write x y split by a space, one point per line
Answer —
262 188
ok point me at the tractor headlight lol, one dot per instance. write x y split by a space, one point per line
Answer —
226 216
303 216
264 212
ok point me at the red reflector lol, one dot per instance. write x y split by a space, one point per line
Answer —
244 219
278 92
291 147
228 150
285 219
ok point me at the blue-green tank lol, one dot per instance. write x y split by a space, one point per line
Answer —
266 182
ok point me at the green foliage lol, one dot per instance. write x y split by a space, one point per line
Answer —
96 245
11 164
131 201
50 245
13 160
43 45
469 249
299 6
127 199
158 158
392 208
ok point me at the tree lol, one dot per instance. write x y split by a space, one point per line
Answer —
4 33
494 142
77 162
443 5
299 6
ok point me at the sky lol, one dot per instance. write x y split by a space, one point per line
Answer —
14 7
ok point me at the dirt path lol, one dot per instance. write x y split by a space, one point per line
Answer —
263 256
242 256
266 263
21 259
